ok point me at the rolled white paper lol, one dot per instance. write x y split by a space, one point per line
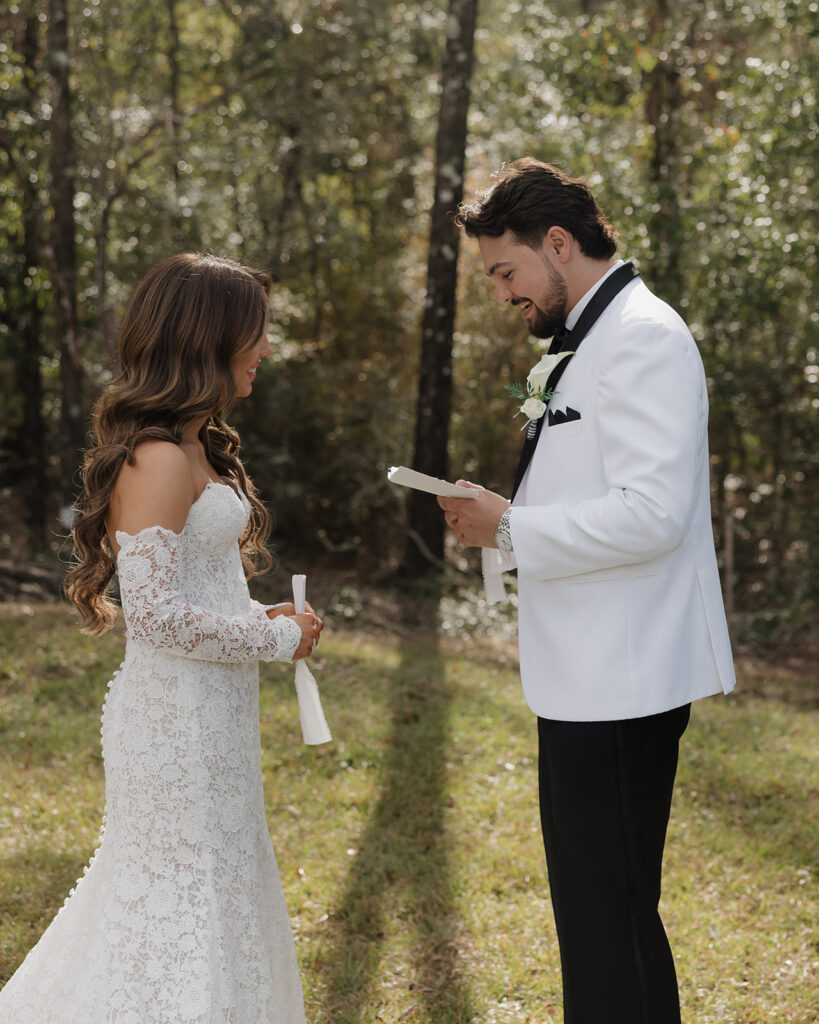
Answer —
313 723
299 592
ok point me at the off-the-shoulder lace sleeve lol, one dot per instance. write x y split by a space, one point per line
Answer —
156 612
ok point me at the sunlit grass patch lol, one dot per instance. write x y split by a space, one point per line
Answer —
409 847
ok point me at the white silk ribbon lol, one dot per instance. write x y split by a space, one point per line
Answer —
494 564
313 723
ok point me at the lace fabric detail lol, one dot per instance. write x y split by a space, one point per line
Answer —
157 612
180 916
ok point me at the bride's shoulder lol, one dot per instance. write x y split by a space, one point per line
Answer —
156 489
155 456
157 465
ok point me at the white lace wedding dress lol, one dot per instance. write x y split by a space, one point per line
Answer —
180 917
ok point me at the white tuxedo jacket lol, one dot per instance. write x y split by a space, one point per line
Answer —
620 606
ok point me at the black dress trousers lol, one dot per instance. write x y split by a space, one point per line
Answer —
605 799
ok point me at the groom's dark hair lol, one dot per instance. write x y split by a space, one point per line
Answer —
529 197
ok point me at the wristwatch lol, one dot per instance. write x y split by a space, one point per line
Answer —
503 534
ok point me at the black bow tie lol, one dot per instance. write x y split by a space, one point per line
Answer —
560 340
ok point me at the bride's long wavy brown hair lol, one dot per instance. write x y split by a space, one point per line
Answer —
186 321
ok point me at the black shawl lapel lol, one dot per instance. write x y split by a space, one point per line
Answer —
601 298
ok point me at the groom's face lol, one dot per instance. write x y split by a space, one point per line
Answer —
526 278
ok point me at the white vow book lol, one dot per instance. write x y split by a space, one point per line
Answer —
313 723
431 484
493 562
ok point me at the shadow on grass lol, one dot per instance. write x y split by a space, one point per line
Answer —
749 781
401 867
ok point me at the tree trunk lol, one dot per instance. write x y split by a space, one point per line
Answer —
62 167
425 534
29 376
105 317
173 115
663 104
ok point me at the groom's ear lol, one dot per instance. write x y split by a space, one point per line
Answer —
557 244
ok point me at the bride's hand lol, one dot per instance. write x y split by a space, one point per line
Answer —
311 627
287 609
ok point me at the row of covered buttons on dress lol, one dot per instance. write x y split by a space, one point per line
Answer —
87 867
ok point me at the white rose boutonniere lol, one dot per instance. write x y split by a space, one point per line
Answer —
533 408
536 395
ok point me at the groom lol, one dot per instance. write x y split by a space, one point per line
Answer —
621 619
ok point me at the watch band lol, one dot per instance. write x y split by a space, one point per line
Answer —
503 534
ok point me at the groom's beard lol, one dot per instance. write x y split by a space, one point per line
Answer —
550 311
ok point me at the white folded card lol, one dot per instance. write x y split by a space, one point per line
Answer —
431 484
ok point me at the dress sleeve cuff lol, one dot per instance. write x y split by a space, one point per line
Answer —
290 638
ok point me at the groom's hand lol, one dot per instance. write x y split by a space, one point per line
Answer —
474 520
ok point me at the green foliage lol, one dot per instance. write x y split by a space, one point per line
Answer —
726 233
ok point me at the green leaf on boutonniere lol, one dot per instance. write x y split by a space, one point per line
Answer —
518 391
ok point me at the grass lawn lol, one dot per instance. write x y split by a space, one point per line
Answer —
409 847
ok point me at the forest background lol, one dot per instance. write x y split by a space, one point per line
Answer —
309 137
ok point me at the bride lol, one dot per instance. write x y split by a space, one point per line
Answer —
180 916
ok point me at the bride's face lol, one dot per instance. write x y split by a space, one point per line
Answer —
244 365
